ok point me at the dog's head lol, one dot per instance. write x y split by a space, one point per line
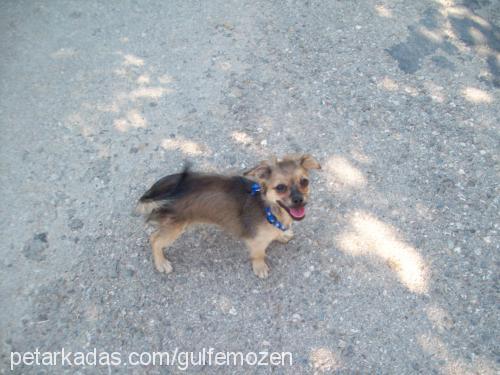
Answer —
285 182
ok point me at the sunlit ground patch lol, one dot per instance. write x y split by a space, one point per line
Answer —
133 119
388 84
368 235
342 174
242 138
476 96
187 147
383 11
432 35
63 53
149 92
323 360
450 363
143 79
133 60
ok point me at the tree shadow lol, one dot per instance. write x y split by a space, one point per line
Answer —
480 34
424 39
441 29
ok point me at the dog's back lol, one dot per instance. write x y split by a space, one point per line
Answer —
190 197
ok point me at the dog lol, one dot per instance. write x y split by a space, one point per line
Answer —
258 206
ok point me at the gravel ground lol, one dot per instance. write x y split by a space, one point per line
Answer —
395 269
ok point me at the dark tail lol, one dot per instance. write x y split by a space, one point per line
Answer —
164 190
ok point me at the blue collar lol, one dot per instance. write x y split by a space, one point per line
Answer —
256 189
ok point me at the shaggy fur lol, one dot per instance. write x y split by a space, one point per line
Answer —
179 200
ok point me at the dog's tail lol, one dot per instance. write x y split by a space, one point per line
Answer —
145 208
162 192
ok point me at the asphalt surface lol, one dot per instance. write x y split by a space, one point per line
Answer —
395 269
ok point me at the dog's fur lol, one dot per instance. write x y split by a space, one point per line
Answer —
179 200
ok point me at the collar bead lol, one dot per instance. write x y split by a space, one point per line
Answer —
255 189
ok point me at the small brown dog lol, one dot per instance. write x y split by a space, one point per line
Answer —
258 207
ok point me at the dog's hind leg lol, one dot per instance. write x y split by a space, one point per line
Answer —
162 238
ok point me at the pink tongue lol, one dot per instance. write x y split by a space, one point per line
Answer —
298 212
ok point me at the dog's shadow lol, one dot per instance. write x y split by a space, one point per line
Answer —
205 248
209 250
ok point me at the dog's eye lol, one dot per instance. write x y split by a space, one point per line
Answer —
281 188
304 182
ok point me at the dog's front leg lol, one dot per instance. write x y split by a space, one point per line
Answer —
257 247
286 236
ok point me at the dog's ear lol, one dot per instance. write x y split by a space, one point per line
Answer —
308 162
261 171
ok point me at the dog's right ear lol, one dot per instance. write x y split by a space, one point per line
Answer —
261 171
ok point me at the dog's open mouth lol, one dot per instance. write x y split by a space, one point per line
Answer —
297 213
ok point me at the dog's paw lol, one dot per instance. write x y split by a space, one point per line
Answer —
163 266
286 236
260 268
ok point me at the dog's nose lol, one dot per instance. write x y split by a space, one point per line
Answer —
297 199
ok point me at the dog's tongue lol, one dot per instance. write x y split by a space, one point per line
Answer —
298 213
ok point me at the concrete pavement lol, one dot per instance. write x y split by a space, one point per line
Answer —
395 269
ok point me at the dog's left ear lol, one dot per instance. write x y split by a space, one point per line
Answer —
308 162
